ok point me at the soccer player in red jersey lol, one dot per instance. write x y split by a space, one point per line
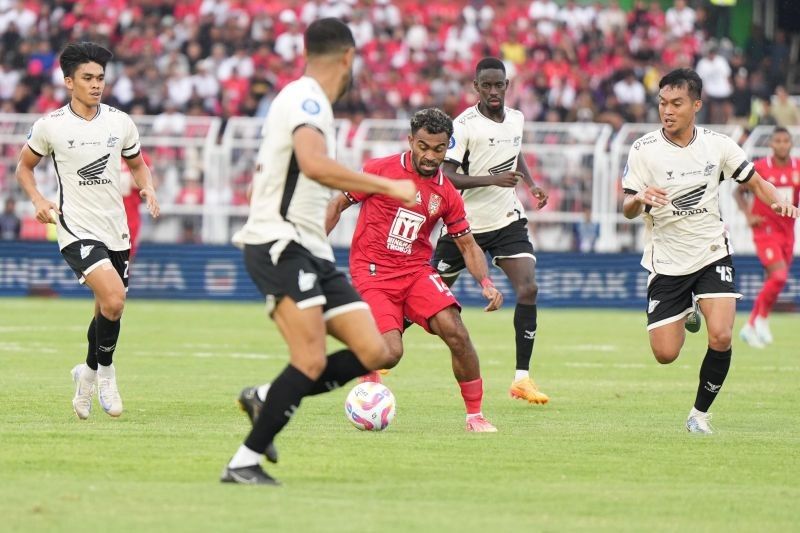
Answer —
391 252
773 234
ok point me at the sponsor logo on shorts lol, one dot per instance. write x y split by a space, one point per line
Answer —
651 306
306 280
442 266
86 250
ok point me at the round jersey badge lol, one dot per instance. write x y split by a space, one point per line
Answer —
452 143
311 106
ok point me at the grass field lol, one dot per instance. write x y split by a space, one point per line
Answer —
609 453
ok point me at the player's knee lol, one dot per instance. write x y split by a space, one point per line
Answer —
665 355
719 338
311 366
457 339
392 357
112 307
780 276
528 292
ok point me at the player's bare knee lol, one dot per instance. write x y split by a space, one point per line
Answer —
527 293
665 356
719 340
112 307
393 356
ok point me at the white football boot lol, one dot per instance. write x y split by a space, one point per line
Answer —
698 422
748 334
107 391
762 330
84 379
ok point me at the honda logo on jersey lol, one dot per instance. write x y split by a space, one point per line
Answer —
93 172
687 202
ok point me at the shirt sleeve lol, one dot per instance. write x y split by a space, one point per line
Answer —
37 139
306 110
458 147
735 164
634 176
455 217
130 144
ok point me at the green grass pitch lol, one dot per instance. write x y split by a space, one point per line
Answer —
609 453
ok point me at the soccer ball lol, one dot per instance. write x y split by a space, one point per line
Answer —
370 406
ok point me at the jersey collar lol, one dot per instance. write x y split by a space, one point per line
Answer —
694 136
69 106
408 166
792 162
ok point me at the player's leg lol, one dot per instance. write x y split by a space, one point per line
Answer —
716 293
773 256
521 272
447 260
430 304
109 293
669 301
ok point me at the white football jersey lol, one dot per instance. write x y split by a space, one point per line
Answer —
687 234
481 146
86 156
285 204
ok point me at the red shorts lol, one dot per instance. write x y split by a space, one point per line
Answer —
418 296
773 249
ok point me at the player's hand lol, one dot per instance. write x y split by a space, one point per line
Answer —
653 196
405 191
46 211
494 296
785 209
754 220
149 196
540 195
509 178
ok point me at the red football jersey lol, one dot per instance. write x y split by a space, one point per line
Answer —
787 181
394 239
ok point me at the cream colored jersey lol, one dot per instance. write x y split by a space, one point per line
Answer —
481 146
286 205
686 234
86 156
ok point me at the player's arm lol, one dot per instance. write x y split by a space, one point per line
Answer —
475 260
767 193
144 181
536 191
462 181
740 194
28 159
335 208
636 202
312 158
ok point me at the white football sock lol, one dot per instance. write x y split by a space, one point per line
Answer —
105 371
262 392
695 412
244 456
521 374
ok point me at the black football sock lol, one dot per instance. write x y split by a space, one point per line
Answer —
107 335
525 329
283 399
342 367
712 374
91 353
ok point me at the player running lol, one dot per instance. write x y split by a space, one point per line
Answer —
391 251
485 146
287 253
773 235
672 177
87 140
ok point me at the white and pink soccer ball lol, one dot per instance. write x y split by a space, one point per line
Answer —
370 406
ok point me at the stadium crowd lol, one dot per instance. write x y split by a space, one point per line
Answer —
569 61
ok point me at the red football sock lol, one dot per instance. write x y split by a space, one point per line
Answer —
472 392
772 289
757 306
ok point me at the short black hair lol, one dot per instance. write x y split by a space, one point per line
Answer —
684 77
489 63
781 129
433 121
77 54
328 35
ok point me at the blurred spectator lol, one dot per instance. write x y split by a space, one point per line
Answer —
192 191
585 233
715 72
762 113
784 109
10 223
680 19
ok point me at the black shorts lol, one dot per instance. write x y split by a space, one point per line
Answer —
669 298
504 243
85 255
285 268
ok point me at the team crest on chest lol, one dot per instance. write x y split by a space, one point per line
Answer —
433 204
